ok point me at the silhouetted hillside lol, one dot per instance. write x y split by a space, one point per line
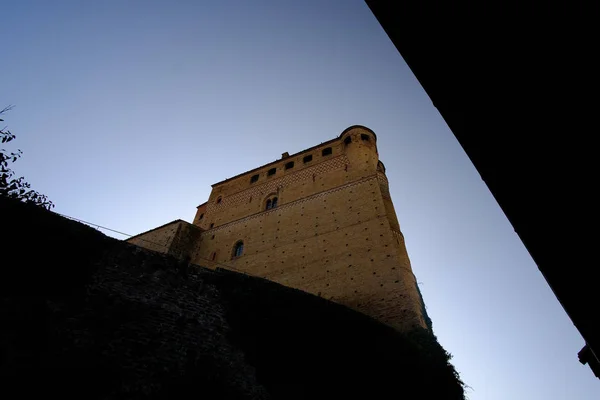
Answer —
87 316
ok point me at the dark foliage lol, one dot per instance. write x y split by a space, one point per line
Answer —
16 188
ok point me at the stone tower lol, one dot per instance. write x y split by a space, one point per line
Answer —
320 220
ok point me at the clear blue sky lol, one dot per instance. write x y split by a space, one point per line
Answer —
128 111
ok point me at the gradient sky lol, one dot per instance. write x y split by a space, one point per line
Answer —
127 112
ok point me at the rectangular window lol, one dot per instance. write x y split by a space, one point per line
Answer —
254 178
327 151
289 165
307 159
364 137
271 171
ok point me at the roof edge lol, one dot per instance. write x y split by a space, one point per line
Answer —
296 154
276 161
360 127
158 227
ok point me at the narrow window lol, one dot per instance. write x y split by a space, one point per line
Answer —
212 224
348 140
269 204
254 178
326 151
272 171
238 249
364 137
201 216
219 199
213 256
289 165
307 159
274 202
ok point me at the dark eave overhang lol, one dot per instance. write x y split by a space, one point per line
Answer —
515 86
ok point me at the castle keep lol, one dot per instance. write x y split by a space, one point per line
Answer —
320 220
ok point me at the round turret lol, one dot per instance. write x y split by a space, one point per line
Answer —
360 146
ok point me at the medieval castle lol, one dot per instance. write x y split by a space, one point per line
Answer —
320 220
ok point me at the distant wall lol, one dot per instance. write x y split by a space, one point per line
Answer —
157 239
177 238
87 316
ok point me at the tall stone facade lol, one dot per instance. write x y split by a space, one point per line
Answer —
320 220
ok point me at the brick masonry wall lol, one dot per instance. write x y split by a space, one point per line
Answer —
184 241
240 197
177 238
334 234
158 239
86 316
200 210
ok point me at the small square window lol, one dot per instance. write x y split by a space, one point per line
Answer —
212 224
254 178
364 137
327 151
307 159
289 165
271 171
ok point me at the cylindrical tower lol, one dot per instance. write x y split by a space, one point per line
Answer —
360 147
390 293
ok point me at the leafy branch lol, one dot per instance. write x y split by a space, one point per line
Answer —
11 187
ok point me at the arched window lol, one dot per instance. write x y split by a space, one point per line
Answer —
271 203
219 199
238 249
348 140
